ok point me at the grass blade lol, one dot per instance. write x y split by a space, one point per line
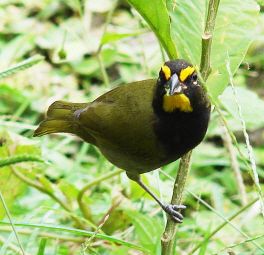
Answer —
21 66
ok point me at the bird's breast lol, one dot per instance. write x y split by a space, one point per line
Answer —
180 132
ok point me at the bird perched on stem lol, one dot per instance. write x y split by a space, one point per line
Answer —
140 126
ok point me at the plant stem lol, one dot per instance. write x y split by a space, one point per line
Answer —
168 240
235 166
205 67
103 70
99 51
249 148
18 159
12 224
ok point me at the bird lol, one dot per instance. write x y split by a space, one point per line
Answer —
140 126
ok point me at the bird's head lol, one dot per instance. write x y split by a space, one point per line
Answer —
178 85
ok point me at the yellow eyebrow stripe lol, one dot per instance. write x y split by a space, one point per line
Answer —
167 72
185 73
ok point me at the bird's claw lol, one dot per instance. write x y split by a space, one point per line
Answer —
173 211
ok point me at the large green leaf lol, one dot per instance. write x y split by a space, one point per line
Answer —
234 30
148 230
248 101
10 186
156 15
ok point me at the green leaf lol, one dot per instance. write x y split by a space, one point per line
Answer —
46 183
112 225
208 155
248 100
68 189
78 232
204 246
148 230
187 20
232 36
10 104
54 38
112 37
15 147
156 15
21 66
10 186
91 65
16 48
42 246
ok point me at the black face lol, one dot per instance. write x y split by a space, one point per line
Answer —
178 77
178 89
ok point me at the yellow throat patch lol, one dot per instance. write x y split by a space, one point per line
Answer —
185 73
177 102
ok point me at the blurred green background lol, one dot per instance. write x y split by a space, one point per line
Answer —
87 48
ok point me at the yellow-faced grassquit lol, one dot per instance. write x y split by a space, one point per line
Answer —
140 126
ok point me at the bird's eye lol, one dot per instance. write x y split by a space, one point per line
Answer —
195 77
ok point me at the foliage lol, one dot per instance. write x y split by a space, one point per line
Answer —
90 47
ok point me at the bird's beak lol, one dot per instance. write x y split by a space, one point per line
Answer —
174 85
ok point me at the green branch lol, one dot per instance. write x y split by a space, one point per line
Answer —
207 38
19 159
168 240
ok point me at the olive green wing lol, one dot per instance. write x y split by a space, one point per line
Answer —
122 117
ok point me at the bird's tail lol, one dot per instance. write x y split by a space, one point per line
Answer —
60 118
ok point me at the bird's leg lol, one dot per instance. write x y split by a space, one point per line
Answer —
172 210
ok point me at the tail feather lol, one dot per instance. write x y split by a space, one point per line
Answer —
60 118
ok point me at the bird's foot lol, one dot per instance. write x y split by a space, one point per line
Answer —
173 211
